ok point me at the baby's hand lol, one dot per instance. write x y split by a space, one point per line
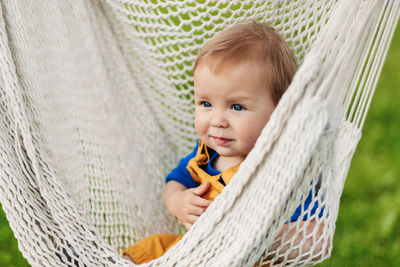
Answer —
190 205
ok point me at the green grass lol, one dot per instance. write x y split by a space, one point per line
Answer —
9 253
368 226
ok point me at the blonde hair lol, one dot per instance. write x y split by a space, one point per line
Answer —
253 42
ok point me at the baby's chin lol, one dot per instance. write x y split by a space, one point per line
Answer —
228 151
229 154
223 150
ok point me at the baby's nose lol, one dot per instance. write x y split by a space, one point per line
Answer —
219 119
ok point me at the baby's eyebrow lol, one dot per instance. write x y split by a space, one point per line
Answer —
238 98
202 96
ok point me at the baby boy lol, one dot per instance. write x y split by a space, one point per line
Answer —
239 78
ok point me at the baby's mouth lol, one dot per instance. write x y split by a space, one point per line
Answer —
221 141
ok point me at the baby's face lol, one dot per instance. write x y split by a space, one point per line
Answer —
232 107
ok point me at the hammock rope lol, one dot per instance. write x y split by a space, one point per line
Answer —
96 108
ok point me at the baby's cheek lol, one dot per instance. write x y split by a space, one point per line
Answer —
250 135
200 125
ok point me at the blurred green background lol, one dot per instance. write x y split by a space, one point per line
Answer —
368 226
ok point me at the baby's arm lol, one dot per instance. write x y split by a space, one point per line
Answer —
185 204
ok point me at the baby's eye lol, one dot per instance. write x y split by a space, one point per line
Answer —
237 107
205 104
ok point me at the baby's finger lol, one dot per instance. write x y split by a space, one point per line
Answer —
201 202
191 219
187 225
196 210
201 189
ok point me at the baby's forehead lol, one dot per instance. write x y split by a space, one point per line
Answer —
218 65
253 70
238 80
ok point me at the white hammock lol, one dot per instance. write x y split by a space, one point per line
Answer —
96 108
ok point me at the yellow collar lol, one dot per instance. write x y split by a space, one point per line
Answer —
199 175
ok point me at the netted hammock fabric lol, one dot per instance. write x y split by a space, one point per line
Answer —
96 108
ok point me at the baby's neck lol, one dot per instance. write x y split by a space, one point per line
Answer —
222 163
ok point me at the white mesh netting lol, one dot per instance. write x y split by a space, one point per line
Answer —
96 108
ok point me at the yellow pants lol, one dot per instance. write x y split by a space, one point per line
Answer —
151 247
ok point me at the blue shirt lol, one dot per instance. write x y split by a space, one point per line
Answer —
182 176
